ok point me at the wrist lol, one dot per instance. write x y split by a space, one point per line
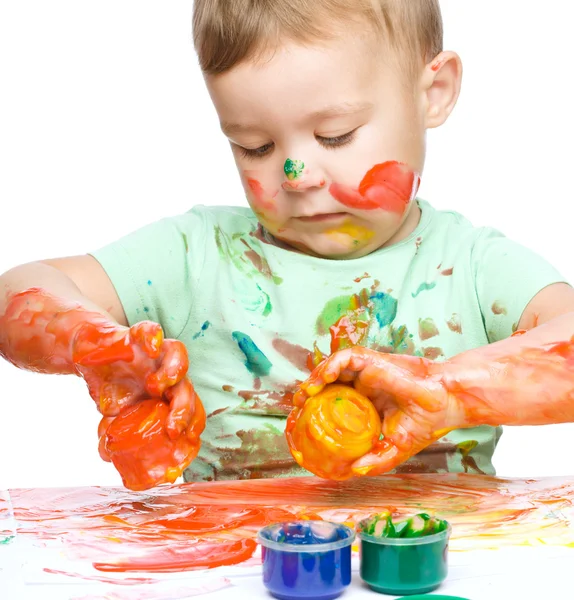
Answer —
467 386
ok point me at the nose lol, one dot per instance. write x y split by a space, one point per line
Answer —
299 178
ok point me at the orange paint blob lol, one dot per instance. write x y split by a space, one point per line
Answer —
332 430
389 186
138 444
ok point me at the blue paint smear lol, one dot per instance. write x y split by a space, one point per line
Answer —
385 308
149 282
203 329
256 362
424 287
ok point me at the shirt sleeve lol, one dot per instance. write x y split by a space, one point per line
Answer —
507 277
155 270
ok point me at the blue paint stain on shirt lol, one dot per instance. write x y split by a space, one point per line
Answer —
256 362
203 329
424 287
149 282
384 307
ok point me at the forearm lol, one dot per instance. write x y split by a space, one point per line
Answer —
41 312
523 380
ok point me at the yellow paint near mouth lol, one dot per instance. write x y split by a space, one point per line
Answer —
350 234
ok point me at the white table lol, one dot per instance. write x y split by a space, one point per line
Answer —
540 565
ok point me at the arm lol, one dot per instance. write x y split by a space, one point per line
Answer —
74 290
527 379
59 326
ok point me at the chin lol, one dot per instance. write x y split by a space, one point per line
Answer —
337 252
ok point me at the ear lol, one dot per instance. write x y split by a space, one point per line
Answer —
441 81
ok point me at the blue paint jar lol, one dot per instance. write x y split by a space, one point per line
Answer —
306 559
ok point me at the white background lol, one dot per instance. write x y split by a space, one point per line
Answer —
105 126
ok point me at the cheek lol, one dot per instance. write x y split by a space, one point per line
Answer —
262 200
389 186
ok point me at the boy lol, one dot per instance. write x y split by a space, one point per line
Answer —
326 105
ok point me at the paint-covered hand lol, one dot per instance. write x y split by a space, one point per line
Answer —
414 405
122 366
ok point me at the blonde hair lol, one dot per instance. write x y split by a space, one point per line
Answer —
228 32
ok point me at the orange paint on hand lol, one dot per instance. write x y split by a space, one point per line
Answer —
332 430
122 367
389 186
138 444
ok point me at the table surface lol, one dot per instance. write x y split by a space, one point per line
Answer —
511 538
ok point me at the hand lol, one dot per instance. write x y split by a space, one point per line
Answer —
415 407
124 365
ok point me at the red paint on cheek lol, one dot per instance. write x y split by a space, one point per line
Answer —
389 186
260 198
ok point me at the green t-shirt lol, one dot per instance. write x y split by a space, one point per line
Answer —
250 312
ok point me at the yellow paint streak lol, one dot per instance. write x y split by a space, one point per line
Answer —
347 233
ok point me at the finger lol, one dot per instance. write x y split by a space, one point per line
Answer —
198 421
174 365
352 359
148 336
181 406
383 459
102 429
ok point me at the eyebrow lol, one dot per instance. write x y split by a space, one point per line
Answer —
328 112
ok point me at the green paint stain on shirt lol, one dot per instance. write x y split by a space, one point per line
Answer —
255 361
293 169
203 329
424 287
427 329
268 307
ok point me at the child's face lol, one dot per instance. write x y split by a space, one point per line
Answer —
317 133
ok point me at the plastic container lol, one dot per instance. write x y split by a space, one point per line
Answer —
306 559
404 566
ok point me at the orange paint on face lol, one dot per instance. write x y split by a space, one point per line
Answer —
389 186
260 198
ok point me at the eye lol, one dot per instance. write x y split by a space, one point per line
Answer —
256 152
336 142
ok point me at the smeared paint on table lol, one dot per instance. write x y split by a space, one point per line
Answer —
196 526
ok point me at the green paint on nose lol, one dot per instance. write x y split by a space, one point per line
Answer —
293 169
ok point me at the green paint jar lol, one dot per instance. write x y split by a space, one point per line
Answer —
403 566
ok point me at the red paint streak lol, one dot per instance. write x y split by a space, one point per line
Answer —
389 186
447 272
359 279
433 353
101 579
121 366
295 354
437 64
260 197
348 332
206 555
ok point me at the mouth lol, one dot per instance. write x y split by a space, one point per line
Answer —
322 218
